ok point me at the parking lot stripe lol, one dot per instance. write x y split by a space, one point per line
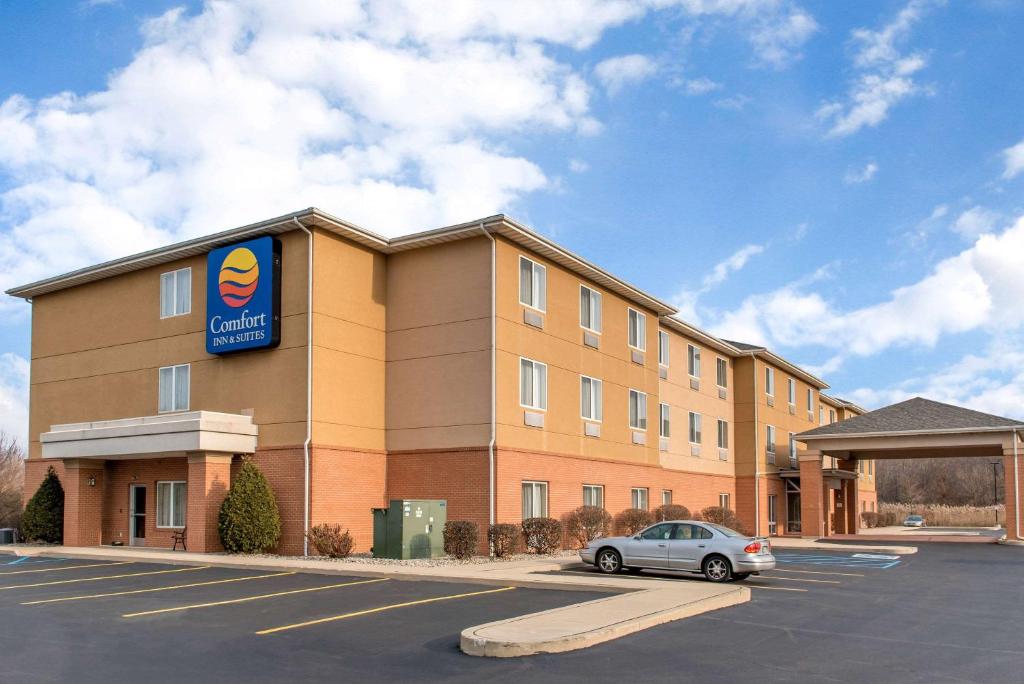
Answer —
66 567
801 579
152 589
380 609
104 577
759 586
822 572
246 599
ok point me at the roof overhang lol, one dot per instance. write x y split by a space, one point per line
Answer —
964 442
174 434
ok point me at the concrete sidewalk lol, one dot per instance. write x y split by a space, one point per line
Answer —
637 603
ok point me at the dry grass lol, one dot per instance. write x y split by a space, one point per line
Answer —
940 515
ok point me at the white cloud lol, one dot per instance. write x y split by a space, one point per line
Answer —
778 43
975 221
686 300
696 86
1013 157
14 396
733 103
616 73
856 176
578 166
886 75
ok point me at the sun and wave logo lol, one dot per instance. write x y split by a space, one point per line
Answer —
239 277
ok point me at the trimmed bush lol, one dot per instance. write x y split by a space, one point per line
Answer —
329 540
671 512
43 519
542 535
632 520
460 538
586 524
249 520
869 518
724 517
503 539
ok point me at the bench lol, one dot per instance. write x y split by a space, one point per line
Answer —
178 537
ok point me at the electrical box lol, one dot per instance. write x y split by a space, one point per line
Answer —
410 528
8 535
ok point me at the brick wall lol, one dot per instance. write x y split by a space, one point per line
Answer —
120 475
344 488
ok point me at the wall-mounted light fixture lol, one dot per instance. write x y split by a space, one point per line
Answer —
92 480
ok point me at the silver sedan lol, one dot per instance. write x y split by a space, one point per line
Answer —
719 553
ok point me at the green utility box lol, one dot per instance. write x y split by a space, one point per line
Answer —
410 528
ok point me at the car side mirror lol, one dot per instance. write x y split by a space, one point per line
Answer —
636 536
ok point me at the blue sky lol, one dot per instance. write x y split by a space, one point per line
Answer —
841 181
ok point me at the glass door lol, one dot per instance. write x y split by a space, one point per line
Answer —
137 514
773 521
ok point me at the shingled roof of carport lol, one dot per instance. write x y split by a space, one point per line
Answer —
914 415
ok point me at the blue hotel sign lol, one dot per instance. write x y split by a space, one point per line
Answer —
243 296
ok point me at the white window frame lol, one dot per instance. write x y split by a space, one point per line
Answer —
641 328
172 277
769 381
638 495
663 349
641 408
810 399
542 400
792 449
695 435
821 415
170 508
596 406
724 501
538 296
175 375
721 372
769 446
723 433
792 391
666 497
599 489
594 301
831 416
535 486
693 360
664 420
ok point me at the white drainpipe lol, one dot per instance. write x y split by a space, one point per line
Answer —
309 389
1016 487
757 454
491 515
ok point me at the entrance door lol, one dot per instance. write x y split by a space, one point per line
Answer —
137 514
792 511
773 521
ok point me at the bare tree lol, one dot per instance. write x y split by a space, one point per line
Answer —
950 481
12 480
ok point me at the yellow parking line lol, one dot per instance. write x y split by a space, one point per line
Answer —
251 598
146 591
801 579
105 577
274 630
68 567
819 572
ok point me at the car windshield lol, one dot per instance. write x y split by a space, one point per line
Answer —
725 530
914 517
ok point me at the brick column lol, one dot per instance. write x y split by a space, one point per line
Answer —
209 476
853 501
812 500
1011 493
83 502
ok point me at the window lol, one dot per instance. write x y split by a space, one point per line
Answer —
593 495
792 391
810 400
173 388
637 330
532 284
535 500
693 360
773 523
723 434
769 381
722 372
871 468
821 415
792 450
658 532
591 400
590 309
666 497
663 348
637 410
639 496
664 421
723 501
171 504
770 443
831 416
533 384
694 427
176 293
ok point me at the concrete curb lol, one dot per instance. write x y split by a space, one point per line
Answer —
573 627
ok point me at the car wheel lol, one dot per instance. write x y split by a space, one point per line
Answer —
609 561
740 576
717 569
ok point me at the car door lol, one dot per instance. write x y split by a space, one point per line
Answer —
687 547
649 548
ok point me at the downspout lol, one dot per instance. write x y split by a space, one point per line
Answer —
490 445
1016 487
309 388
757 454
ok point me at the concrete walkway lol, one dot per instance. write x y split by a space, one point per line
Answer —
637 603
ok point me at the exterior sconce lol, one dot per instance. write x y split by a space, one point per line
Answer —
92 480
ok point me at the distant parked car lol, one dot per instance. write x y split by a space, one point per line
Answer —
719 553
914 521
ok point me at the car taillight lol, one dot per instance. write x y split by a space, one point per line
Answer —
752 547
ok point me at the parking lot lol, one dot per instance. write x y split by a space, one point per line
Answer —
947 613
